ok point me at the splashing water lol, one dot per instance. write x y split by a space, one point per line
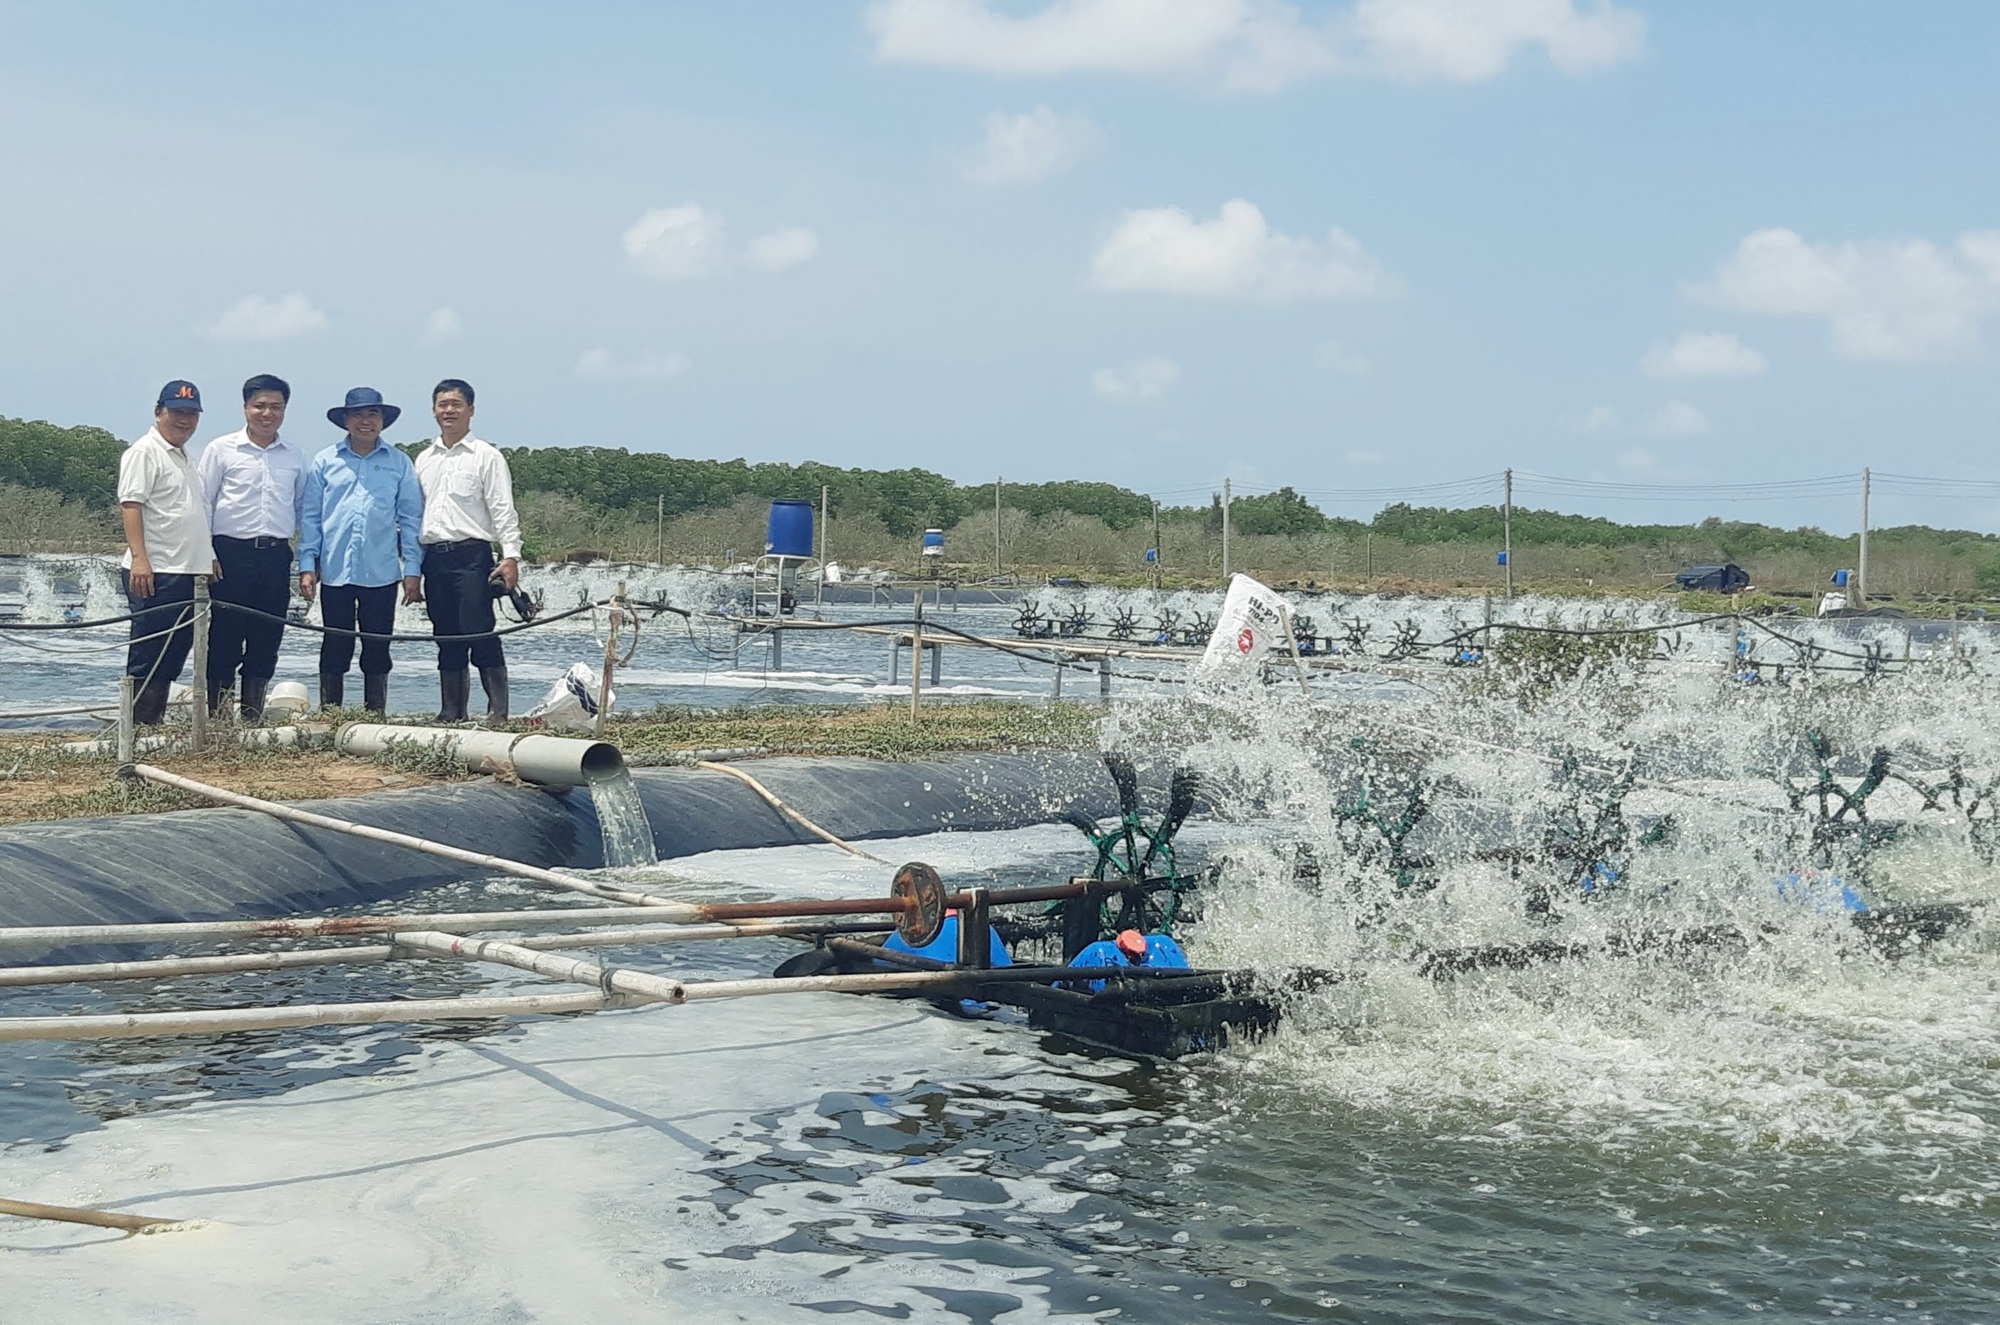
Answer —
1793 1037
621 817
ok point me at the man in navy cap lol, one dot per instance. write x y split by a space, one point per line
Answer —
166 546
358 529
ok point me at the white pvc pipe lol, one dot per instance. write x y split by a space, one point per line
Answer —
556 762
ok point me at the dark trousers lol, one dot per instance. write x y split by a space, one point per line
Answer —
256 573
371 609
459 599
162 629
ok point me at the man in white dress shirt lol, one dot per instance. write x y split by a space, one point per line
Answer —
166 546
252 482
468 507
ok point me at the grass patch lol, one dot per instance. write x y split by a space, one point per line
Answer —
46 783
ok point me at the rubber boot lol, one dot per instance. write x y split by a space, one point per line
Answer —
375 692
251 707
332 690
149 706
494 681
454 689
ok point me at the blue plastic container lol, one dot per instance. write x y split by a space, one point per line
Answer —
944 948
933 542
790 531
1161 951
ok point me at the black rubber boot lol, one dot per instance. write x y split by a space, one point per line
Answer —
332 690
494 681
149 706
251 707
454 690
375 692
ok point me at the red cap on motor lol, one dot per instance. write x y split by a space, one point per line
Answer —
1132 943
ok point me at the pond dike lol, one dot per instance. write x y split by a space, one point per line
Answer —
220 864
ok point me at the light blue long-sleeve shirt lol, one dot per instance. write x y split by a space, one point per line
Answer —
361 517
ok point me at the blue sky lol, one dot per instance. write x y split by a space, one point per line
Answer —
1343 246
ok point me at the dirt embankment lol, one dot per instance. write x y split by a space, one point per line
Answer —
39 780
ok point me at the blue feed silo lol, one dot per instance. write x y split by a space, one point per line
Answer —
790 531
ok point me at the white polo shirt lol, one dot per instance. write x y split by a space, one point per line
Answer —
468 493
252 491
162 480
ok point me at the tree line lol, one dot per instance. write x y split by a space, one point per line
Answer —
80 464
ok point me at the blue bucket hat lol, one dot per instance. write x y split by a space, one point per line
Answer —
363 397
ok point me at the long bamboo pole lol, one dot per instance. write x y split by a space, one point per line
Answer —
69 1214
782 808
217 1021
660 988
497 864
313 927
166 968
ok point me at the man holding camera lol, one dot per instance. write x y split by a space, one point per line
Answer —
468 507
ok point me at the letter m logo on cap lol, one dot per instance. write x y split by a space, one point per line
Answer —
186 392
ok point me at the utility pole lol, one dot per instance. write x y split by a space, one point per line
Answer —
1861 569
996 528
1156 545
1225 533
1507 532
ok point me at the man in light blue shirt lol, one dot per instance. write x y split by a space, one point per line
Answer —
358 532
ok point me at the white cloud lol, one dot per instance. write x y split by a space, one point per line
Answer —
1907 299
1471 42
1638 458
783 248
1704 354
253 317
1136 383
1236 255
1337 358
603 365
1019 149
442 325
1602 418
1677 419
1366 457
689 241
1253 45
677 243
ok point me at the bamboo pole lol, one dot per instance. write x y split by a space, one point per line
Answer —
217 1021
497 864
664 989
311 927
232 963
786 810
68 1214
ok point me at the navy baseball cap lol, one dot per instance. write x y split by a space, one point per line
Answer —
180 395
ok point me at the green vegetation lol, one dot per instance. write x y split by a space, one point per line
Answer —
56 490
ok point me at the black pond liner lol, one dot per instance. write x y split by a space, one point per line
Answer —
226 864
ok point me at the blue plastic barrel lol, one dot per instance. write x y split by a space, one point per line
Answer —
790 531
934 542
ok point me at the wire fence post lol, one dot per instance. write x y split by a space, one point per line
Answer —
200 678
917 658
610 658
1225 533
124 718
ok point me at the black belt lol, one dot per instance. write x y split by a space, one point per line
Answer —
456 544
262 542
